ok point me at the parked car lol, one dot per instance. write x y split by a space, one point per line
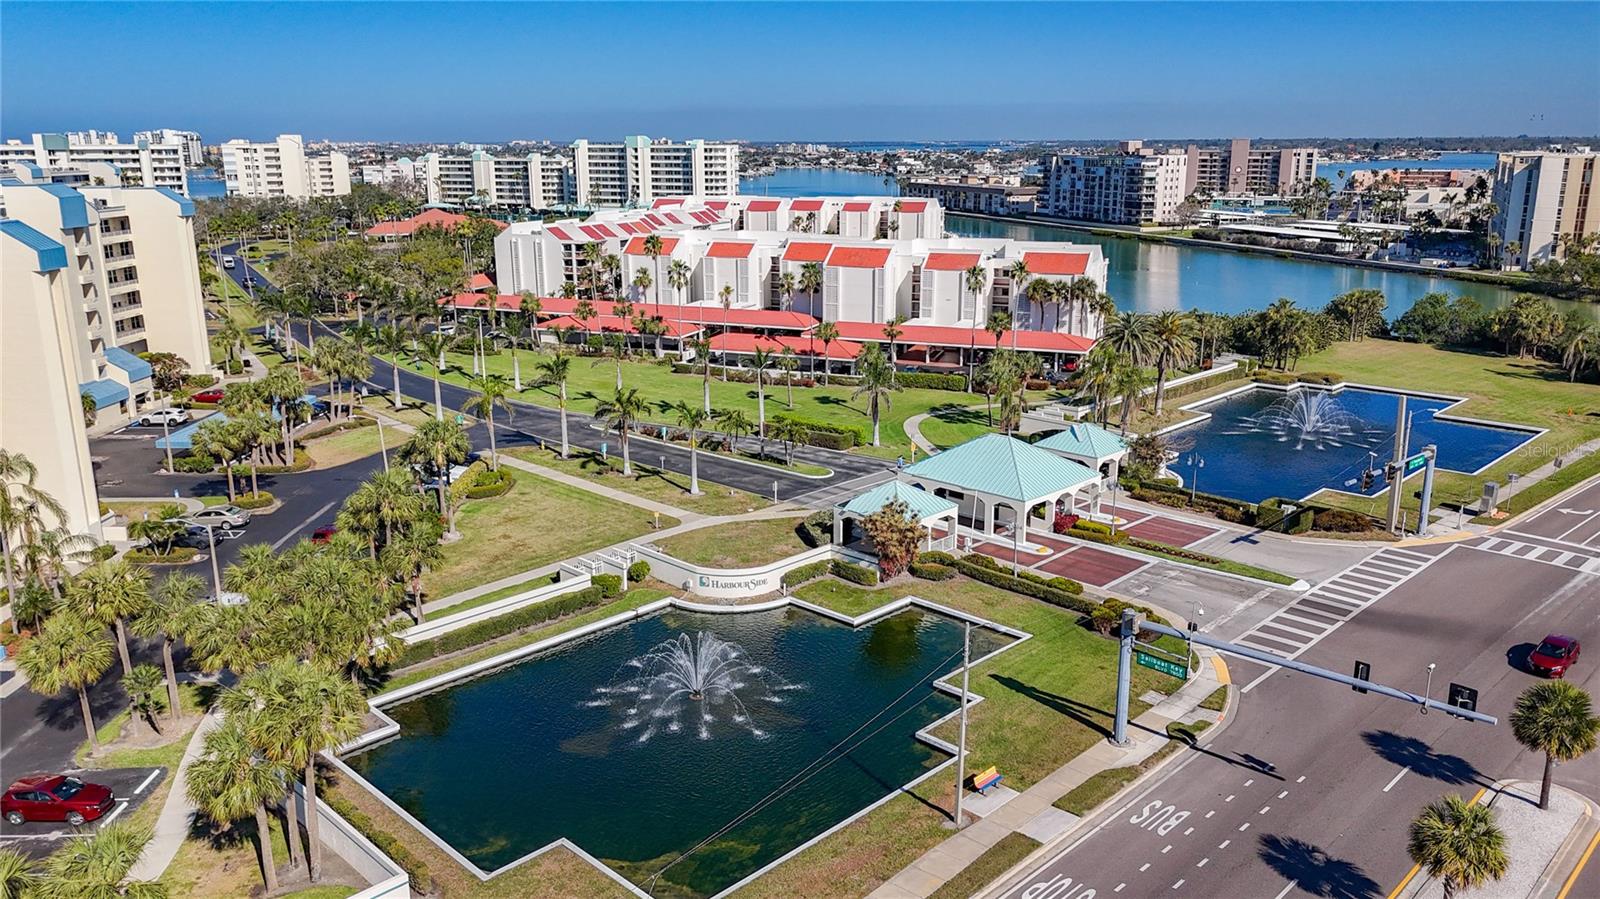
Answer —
447 329
54 797
220 516
1553 656
227 262
212 395
249 280
323 534
163 416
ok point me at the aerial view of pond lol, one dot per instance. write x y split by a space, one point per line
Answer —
1261 443
647 744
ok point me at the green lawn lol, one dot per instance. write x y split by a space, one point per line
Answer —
648 481
1046 700
997 860
343 446
953 424
538 522
1500 388
591 382
739 544
485 599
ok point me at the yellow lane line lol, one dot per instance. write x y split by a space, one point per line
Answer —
1406 881
1573 877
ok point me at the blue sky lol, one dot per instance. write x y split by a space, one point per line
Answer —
818 71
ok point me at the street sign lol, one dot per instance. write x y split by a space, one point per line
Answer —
1363 672
1165 666
1415 463
1463 697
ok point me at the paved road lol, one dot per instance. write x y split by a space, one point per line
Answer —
129 786
1311 787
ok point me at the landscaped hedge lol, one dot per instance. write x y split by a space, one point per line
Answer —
1272 516
486 484
808 572
1278 378
1223 507
826 434
1319 377
638 571
1341 521
348 424
936 557
259 500
179 555
981 568
194 463
855 574
817 529
301 463
931 380
415 868
931 571
499 626
610 584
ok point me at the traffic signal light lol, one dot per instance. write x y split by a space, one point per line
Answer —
1363 672
1367 478
1463 697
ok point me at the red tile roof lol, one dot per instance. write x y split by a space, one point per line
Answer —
717 204
560 235
950 262
593 232
859 257
762 206
656 220
667 201
805 206
508 302
801 251
1056 263
436 218
738 342
636 246
606 231
618 324
770 319
705 216
479 281
726 249
857 207
937 335
913 205
671 217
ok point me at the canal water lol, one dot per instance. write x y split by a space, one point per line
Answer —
1151 277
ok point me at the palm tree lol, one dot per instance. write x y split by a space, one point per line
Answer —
678 277
293 711
877 382
591 253
392 340
69 652
976 278
215 438
110 593
735 424
22 507
892 329
786 285
998 324
438 444
409 555
652 248
788 362
143 686
701 347
584 312
488 391
96 865
1128 381
726 295
827 332
556 368
789 432
431 347
232 779
1130 335
170 615
762 360
1172 342
1554 718
1579 349
17 875
530 307
1459 843
692 419
642 280
621 411
811 281
1019 275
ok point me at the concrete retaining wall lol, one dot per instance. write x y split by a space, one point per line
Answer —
386 879
737 583
430 629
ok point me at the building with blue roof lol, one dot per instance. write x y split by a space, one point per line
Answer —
935 513
1001 485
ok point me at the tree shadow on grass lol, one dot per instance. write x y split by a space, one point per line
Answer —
1410 752
1314 871
1096 719
951 413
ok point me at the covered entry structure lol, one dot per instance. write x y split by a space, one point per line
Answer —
999 482
935 513
1093 447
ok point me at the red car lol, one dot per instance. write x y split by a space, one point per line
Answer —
323 534
52 797
1553 656
214 395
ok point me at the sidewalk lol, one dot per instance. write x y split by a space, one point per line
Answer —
1546 849
172 826
1032 812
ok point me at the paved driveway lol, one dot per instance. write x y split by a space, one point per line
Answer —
130 786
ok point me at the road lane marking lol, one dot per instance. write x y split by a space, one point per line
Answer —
121 804
1396 778
1224 844
1264 809
1406 881
1144 867
1301 779
1285 891
1166 850
1283 794
303 525
1178 884
1210 813
1583 860
1119 888
1229 799
140 788
1244 827
1202 863
1188 831
1250 781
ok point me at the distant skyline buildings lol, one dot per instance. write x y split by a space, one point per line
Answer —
1404 77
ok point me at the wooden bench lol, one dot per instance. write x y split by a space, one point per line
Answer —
986 780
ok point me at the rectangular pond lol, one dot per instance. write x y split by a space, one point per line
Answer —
1261 442
559 745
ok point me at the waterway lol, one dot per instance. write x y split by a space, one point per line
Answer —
1151 277
1331 170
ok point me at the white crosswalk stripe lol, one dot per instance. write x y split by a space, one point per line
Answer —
1533 552
1298 626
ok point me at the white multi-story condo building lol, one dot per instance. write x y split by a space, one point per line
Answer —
746 245
1542 198
972 193
1133 185
281 168
193 150
1236 169
400 171
92 277
638 170
145 163
534 181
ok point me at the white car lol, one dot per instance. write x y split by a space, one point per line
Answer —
447 329
227 262
163 416
220 516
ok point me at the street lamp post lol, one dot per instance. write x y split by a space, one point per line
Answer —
216 574
1196 462
1427 691
383 445
961 742
166 438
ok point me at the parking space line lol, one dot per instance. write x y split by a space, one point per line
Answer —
140 788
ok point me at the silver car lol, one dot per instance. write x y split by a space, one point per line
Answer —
220 516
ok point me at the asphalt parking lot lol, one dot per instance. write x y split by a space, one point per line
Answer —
130 787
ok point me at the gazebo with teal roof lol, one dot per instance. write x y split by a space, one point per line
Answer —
997 480
935 513
1092 446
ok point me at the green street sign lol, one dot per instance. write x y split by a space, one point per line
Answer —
1165 666
1416 462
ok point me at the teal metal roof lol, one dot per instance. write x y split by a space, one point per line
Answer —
922 504
137 369
104 392
52 255
1083 439
1002 466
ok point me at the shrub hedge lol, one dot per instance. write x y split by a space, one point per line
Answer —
415 868
1279 378
855 574
638 571
259 500
179 556
1341 521
935 557
488 483
610 584
1319 377
817 529
931 571
348 424
826 434
808 572
931 380
194 463
499 626
992 575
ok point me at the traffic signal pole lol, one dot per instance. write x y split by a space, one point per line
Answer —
1133 623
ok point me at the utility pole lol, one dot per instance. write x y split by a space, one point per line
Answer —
216 575
1130 627
383 445
1395 472
961 744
